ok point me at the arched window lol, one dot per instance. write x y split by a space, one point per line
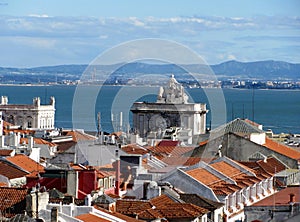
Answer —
29 121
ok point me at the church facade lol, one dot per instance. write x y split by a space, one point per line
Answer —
171 109
34 115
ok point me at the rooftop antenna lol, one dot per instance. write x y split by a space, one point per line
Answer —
98 123
253 102
232 111
121 121
45 95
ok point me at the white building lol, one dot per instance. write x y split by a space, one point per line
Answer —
171 109
29 116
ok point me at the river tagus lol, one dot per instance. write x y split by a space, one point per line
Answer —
278 110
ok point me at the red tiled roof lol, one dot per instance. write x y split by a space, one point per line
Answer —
3 184
203 176
10 171
282 149
271 166
107 170
132 207
177 161
224 187
10 196
91 217
24 162
170 150
63 146
227 169
37 141
79 136
252 123
5 152
116 214
134 149
168 143
280 198
173 211
161 200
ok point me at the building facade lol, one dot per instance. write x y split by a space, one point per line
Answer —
171 109
29 116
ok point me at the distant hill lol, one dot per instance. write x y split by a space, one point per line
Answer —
267 70
260 70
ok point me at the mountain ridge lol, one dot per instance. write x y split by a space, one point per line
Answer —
261 70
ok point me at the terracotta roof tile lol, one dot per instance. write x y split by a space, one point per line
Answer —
119 215
132 207
201 201
5 152
3 184
272 165
181 161
265 168
91 217
134 149
168 143
11 171
203 176
282 149
24 162
37 141
226 169
280 198
174 211
161 200
63 146
10 196
224 187
170 150
79 136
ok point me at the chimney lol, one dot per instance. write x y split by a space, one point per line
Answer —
117 185
54 214
30 142
2 143
14 140
292 198
121 121
1 124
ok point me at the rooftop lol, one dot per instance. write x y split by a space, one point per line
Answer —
270 166
134 149
281 198
11 171
79 135
91 217
201 201
10 196
167 151
202 175
282 149
25 163
239 126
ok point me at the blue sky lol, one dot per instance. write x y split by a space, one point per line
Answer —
51 32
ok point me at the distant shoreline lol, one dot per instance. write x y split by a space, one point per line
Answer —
75 85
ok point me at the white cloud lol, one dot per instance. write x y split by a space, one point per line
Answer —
38 16
216 38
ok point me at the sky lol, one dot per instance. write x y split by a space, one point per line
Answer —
55 32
